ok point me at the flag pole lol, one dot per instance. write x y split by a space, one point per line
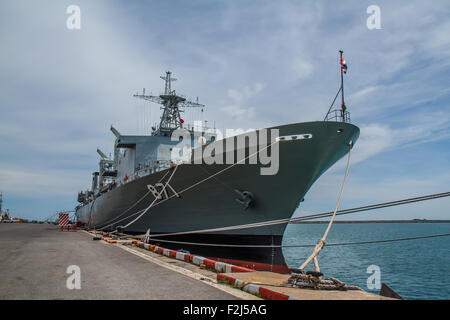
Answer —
342 86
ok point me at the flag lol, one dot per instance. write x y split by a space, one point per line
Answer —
343 65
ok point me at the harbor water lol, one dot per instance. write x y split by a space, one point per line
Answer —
415 269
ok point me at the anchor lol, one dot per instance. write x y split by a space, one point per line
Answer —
246 198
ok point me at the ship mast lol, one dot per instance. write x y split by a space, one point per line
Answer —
343 107
173 105
168 79
342 114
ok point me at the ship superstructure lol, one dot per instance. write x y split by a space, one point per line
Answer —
137 156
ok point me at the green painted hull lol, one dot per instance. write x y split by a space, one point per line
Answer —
212 204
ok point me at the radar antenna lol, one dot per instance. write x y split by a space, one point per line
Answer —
168 79
173 105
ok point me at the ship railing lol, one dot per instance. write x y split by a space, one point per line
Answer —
338 115
155 167
174 93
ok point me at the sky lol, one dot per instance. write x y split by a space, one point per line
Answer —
254 64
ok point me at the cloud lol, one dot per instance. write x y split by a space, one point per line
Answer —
238 110
302 68
239 113
18 181
253 65
245 93
374 138
363 93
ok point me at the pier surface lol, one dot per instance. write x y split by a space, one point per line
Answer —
34 259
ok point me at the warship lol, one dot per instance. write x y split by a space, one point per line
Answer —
186 202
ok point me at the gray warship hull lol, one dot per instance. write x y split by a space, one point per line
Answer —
210 202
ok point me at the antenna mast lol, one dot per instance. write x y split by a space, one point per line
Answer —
343 114
168 79
173 105
342 85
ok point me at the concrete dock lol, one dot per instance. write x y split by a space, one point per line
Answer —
274 282
34 262
34 259
264 284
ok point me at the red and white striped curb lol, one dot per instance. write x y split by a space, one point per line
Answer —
253 288
247 286
197 260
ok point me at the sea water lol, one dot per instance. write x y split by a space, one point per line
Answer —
415 269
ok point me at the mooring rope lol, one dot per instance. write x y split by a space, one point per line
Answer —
386 240
279 221
244 226
134 204
298 245
148 208
308 217
374 206
195 184
321 243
